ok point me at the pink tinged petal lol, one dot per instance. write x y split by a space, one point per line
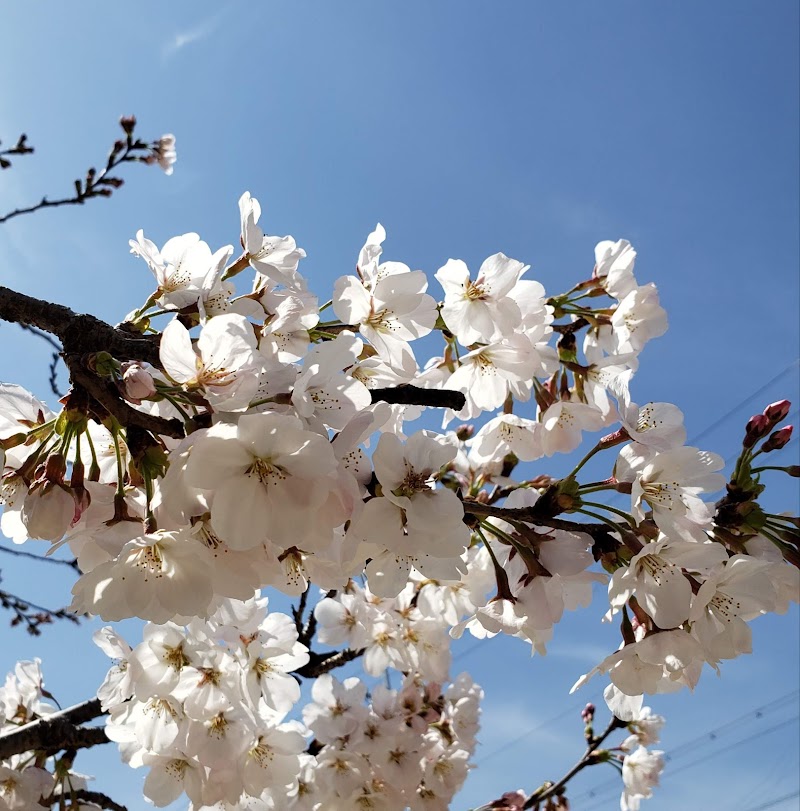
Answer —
177 355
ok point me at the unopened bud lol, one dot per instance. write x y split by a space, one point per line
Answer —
776 412
137 382
778 439
128 122
757 428
793 470
55 467
465 432
587 713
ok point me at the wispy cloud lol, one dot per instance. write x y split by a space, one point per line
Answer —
203 30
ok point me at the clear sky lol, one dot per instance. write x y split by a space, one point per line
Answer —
466 128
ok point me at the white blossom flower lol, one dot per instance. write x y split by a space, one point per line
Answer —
641 771
393 312
222 365
269 478
481 310
613 267
275 258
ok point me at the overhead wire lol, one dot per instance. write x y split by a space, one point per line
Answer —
706 738
709 756
775 801
535 728
728 414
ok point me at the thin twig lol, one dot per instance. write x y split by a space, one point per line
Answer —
20 148
589 758
52 367
97 184
73 564
36 617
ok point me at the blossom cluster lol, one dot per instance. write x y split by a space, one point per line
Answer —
205 708
22 700
294 463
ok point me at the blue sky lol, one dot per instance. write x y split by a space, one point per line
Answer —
466 128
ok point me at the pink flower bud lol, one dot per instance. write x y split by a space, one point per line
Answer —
137 382
757 428
777 411
778 439
465 432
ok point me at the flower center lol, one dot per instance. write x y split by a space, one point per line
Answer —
266 472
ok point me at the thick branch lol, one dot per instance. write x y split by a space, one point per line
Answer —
79 333
85 796
412 395
320 663
108 397
56 732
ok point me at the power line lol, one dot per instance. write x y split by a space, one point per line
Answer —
728 414
775 801
707 737
748 399
716 753
530 731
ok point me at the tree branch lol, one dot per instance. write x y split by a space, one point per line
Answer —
320 663
73 564
56 732
94 184
413 395
107 395
589 758
20 148
79 333
53 365
84 795
39 615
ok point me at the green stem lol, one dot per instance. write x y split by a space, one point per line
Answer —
621 513
118 454
596 449
95 465
595 487
599 517
184 414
